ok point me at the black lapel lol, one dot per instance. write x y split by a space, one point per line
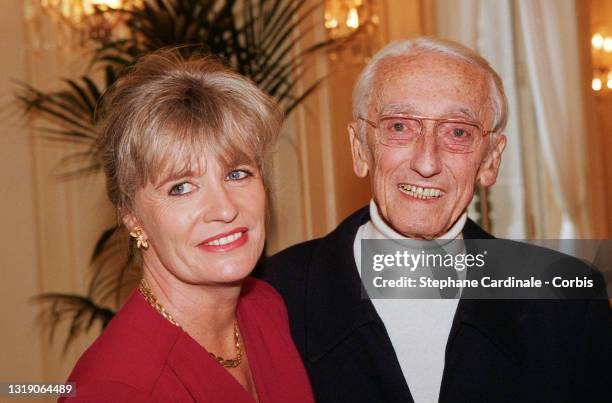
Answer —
471 230
335 308
334 303
495 319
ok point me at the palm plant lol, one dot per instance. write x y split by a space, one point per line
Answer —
257 38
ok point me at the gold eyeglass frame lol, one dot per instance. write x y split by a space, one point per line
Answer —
437 121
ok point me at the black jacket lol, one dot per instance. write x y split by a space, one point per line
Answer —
497 351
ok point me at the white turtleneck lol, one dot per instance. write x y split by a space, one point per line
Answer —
418 328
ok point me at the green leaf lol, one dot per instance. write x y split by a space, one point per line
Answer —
85 100
94 92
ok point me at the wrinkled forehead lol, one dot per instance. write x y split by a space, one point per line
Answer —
431 84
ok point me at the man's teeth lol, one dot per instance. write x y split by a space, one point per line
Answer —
419 192
225 239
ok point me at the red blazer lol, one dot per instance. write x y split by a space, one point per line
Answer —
141 357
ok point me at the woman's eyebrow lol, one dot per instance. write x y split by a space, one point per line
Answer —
176 176
239 160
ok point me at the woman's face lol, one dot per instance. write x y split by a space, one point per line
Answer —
203 227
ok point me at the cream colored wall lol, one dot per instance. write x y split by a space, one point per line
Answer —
50 226
21 348
302 205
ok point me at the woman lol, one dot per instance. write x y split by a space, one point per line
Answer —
183 145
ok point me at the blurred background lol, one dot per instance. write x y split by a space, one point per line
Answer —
59 235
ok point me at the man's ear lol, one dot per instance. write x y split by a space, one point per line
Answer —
489 168
359 151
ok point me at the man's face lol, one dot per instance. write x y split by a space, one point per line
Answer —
434 86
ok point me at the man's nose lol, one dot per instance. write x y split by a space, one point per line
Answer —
220 204
426 154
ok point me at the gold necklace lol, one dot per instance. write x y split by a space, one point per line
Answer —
150 298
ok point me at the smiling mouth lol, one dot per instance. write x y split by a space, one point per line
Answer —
418 192
224 240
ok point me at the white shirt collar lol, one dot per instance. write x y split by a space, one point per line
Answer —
387 232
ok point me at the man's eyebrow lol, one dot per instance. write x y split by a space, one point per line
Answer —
410 109
461 111
398 109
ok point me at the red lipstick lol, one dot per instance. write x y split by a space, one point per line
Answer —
225 241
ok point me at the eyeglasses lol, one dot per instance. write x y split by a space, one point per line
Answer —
452 135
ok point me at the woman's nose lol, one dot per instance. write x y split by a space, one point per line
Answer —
220 205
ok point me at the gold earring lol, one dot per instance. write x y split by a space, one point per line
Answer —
141 242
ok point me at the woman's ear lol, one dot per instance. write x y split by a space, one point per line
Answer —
129 218
489 168
134 228
359 151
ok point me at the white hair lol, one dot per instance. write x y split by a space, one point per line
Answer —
405 48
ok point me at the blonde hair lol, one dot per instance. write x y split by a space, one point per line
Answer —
406 48
168 110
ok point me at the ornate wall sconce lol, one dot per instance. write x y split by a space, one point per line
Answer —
355 19
601 54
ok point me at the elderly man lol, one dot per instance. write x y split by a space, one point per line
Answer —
427 125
